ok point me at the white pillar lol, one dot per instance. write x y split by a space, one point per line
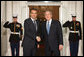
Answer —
80 18
68 8
9 18
3 30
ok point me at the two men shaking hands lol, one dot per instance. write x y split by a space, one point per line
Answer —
50 31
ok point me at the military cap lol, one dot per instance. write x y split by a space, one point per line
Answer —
73 16
15 16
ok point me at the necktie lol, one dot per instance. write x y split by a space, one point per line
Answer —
14 27
35 24
74 27
74 31
48 27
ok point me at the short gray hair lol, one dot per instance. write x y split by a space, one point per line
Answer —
49 11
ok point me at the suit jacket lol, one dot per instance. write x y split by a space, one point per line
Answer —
30 33
77 27
55 37
18 28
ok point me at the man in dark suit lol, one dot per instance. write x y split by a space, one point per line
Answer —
31 34
52 33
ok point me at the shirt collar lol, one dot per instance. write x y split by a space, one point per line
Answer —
33 19
50 21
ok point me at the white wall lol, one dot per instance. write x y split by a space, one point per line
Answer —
67 8
3 31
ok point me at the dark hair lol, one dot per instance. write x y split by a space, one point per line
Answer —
33 9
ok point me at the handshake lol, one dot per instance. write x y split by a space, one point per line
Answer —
38 38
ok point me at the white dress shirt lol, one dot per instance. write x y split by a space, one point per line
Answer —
50 21
33 19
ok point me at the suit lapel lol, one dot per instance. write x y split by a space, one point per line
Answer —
32 25
45 28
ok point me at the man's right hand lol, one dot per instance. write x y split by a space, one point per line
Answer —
38 39
60 47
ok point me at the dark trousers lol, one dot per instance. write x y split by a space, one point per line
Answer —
50 52
28 51
15 47
74 48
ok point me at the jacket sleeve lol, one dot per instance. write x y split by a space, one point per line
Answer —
7 25
21 30
42 31
66 24
60 34
80 30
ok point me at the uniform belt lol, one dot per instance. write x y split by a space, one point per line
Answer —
15 33
74 31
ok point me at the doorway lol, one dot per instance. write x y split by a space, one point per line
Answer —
42 9
55 16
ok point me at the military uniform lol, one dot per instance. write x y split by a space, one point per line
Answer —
74 35
15 36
